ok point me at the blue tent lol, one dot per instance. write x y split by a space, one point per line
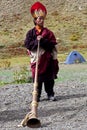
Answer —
74 57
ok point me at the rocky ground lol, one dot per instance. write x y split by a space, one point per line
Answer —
69 112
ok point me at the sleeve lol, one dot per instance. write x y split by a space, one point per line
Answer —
48 42
30 41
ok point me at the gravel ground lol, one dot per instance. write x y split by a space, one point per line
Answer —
69 112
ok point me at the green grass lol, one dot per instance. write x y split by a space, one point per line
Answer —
72 72
15 61
18 74
6 76
11 73
22 74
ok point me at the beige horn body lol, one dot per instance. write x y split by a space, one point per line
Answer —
31 119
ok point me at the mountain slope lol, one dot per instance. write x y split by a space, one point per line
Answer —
67 19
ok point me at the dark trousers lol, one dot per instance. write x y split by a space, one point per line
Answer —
48 86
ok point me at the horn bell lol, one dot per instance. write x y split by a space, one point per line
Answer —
33 122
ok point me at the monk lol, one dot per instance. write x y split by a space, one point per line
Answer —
48 67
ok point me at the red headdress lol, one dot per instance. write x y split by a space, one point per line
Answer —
38 9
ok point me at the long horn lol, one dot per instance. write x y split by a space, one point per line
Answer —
31 119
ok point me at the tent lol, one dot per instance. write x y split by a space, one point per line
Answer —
74 57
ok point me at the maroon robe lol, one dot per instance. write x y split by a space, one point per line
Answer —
48 66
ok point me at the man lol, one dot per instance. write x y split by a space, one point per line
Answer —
48 63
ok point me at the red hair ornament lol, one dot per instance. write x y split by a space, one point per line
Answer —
38 9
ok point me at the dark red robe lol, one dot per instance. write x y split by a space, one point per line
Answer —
48 65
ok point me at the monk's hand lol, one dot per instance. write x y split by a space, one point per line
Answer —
39 37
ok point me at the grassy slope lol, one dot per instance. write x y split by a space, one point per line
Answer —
64 18
13 34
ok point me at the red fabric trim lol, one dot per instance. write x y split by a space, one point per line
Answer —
37 6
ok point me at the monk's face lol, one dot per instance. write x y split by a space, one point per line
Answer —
39 21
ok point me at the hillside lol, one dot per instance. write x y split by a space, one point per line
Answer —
66 18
